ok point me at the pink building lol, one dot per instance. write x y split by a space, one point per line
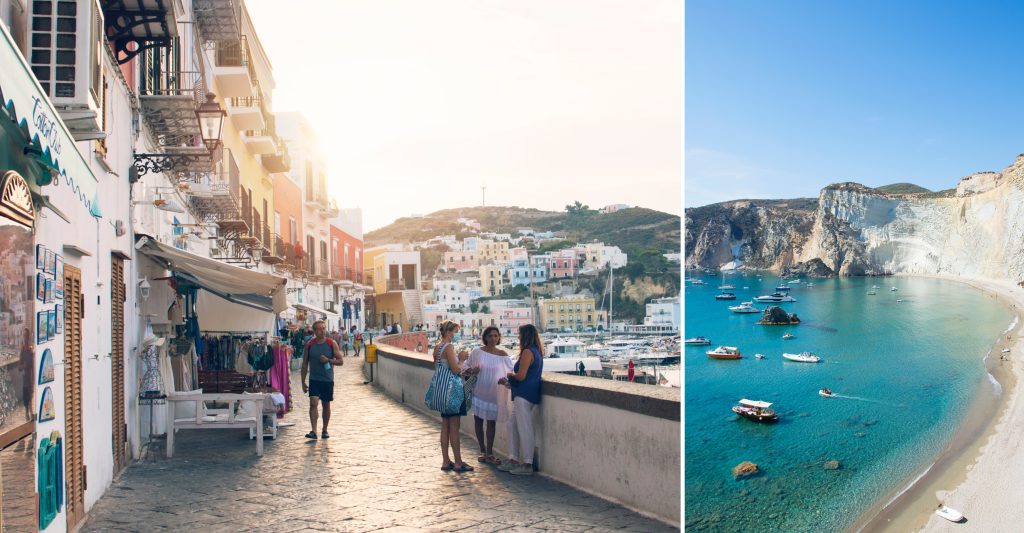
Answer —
510 318
563 264
459 261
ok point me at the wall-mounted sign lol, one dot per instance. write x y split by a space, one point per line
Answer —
46 367
16 199
47 411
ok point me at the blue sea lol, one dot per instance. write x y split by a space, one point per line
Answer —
904 372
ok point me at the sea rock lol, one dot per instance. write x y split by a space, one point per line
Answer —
777 316
815 268
744 469
832 465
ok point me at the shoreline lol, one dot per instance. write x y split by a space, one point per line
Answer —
957 476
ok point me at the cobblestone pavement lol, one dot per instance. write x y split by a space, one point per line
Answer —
379 471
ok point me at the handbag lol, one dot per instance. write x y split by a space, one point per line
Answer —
445 393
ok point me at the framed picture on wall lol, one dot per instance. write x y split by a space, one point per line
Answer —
51 262
46 408
46 367
40 257
58 280
60 318
41 318
51 324
48 292
40 286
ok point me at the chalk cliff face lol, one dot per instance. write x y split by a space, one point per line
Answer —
978 230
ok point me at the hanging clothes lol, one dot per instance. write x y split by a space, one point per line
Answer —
279 376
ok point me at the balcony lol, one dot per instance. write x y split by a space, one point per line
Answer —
279 161
401 285
215 203
247 113
233 69
168 100
263 141
218 20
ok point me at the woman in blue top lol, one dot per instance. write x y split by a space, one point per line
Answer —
525 383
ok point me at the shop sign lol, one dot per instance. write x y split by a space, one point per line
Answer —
16 199
48 138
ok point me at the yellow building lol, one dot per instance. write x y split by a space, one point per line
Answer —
575 312
489 251
492 280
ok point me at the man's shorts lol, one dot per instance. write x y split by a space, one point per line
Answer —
322 389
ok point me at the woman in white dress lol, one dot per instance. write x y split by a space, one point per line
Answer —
493 364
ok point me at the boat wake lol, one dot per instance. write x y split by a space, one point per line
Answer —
861 399
822 328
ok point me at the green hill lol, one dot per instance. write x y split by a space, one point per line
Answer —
902 188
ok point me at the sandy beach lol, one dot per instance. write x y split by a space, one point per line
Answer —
980 472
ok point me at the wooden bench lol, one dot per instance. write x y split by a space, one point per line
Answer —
188 410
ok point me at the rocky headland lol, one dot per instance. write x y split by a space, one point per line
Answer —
975 230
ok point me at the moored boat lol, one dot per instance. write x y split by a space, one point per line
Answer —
826 392
725 296
775 297
802 357
755 410
788 336
724 352
783 288
697 341
759 355
726 287
745 307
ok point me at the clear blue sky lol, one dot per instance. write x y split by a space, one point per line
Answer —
784 97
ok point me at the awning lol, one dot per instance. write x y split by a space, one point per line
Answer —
232 283
315 309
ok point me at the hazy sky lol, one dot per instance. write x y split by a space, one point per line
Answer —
419 104
783 98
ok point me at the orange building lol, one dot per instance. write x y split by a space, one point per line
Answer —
346 256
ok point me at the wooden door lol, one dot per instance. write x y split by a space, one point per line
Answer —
117 418
74 467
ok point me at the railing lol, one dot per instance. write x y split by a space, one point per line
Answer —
322 269
268 241
400 285
235 54
279 249
157 82
349 274
246 101
336 272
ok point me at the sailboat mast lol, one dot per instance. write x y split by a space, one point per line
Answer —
611 293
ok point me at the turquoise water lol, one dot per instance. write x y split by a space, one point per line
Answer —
905 371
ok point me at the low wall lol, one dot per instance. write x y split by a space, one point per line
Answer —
616 440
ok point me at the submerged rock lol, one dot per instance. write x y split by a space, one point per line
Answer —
744 469
832 465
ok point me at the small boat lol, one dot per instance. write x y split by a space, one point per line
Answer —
724 352
1006 350
745 307
697 282
755 410
788 336
875 287
697 341
802 357
872 293
725 296
759 355
783 288
826 392
899 301
809 284
949 514
745 287
894 289
726 287
776 297
794 282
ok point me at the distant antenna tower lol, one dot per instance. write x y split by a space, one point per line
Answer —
483 196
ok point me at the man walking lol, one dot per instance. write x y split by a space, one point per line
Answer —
319 356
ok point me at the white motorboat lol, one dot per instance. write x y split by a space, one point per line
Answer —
894 289
949 514
788 336
725 296
724 352
569 347
794 282
775 297
783 288
826 392
697 341
802 357
697 282
745 307
726 287
759 355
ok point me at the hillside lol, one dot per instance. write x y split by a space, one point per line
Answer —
633 230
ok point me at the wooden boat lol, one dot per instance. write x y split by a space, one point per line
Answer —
949 514
755 410
724 352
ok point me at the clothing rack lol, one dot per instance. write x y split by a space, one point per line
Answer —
235 333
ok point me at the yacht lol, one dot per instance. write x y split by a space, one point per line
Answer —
745 307
725 296
724 352
783 288
794 282
775 297
697 282
570 347
698 341
726 287
802 357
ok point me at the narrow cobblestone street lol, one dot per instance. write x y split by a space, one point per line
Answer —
379 471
